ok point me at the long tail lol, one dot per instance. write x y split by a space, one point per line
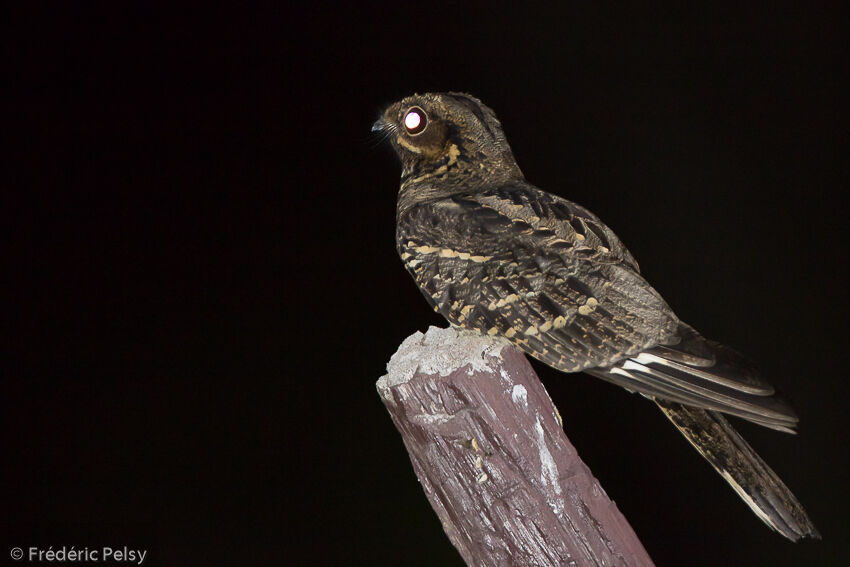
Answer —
693 380
743 469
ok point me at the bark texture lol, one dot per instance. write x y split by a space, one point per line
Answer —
487 446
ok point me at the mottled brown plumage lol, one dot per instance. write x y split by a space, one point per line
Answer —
492 252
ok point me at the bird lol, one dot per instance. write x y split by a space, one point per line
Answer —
493 253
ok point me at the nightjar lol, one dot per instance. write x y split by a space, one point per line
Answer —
494 253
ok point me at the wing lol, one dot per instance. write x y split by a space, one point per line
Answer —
550 277
538 270
702 373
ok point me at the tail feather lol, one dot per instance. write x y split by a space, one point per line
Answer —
731 456
694 381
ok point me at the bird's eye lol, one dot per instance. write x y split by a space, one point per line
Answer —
415 121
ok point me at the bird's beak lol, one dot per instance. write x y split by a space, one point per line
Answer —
379 125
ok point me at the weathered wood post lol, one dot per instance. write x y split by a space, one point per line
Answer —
488 448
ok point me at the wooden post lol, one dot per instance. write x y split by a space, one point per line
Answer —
487 445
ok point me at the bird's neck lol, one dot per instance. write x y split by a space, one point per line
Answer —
419 190
451 174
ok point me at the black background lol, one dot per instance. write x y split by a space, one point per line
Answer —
202 286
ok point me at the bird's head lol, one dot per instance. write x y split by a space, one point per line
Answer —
448 139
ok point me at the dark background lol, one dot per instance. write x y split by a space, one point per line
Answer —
202 286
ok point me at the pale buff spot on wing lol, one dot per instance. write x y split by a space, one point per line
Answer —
559 322
545 326
589 307
449 253
503 301
510 332
493 331
531 330
464 313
